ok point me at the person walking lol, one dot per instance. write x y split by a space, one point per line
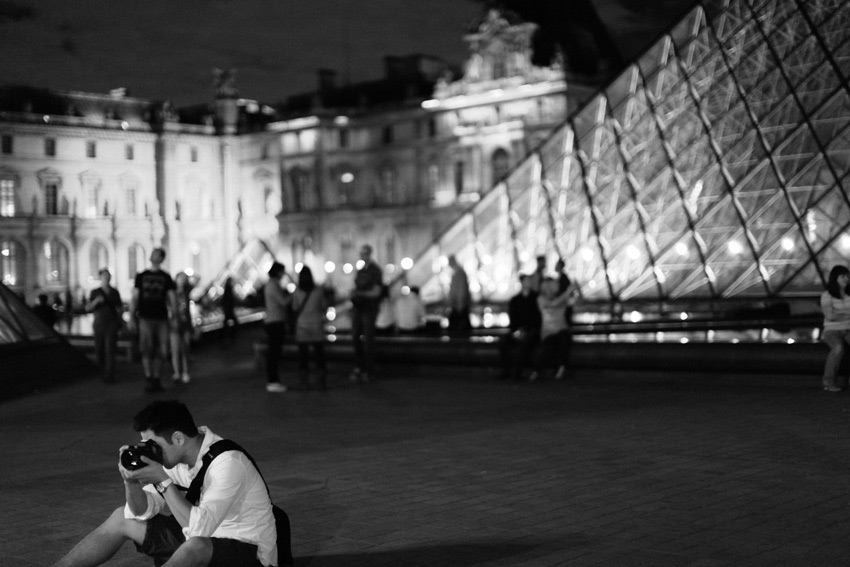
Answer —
365 299
277 302
460 300
151 309
181 330
106 306
835 304
310 308
555 338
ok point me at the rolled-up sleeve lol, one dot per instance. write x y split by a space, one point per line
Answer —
155 506
225 485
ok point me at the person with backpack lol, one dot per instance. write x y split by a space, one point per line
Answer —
226 516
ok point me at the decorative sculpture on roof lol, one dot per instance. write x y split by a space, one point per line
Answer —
224 82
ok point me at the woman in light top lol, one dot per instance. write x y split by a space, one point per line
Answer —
835 303
310 307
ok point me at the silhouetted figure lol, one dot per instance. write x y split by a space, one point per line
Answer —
228 307
277 302
459 300
181 329
107 308
44 311
517 347
365 301
310 307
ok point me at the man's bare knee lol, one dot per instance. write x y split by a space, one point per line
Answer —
195 552
130 529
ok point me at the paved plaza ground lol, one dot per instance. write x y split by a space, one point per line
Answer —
446 466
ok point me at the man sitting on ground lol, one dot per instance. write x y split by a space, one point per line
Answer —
232 523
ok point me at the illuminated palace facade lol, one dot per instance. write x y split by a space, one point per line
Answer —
93 180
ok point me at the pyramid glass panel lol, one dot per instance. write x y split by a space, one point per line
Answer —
714 167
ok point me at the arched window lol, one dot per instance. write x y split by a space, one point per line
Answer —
135 260
301 189
387 194
55 262
11 262
500 163
98 258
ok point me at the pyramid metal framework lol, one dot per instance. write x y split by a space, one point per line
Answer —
715 166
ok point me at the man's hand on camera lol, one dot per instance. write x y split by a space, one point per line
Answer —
150 474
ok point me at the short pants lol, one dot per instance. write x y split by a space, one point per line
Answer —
153 337
164 535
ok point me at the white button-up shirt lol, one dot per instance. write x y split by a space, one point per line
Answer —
234 502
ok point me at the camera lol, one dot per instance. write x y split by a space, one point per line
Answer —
131 458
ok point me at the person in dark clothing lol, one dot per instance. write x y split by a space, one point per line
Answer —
228 306
517 347
44 311
107 308
365 300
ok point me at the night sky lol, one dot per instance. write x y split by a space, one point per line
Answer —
166 48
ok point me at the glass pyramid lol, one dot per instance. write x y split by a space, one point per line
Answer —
714 167
18 323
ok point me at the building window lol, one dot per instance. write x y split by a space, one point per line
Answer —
346 188
55 262
264 151
500 163
130 195
10 263
388 186
91 185
6 143
98 258
50 146
91 149
432 128
129 152
459 166
51 198
135 260
7 197
300 185
193 154
387 135
343 137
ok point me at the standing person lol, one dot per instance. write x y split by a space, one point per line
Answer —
365 299
310 307
460 300
835 304
516 348
228 306
106 306
555 339
226 518
277 304
410 313
181 329
151 308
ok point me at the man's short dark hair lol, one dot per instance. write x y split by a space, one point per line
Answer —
164 418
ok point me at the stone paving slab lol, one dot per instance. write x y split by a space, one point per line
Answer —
442 465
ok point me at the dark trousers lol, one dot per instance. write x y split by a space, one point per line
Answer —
554 350
363 337
515 353
276 333
105 345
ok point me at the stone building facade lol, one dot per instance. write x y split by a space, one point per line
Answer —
91 180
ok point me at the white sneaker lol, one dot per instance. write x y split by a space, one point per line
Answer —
560 373
276 387
186 378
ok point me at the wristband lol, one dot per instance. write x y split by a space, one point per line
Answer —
161 487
